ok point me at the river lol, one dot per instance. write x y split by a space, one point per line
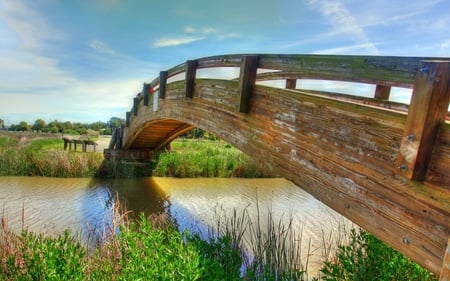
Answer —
51 205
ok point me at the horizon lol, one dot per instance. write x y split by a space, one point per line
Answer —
84 61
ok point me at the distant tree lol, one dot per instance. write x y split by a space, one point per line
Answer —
97 126
39 125
115 122
23 126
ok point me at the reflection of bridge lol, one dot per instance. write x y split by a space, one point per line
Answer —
382 164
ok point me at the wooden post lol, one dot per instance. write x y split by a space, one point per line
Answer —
191 69
382 92
162 84
445 269
428 108
291 83
247 79
135 106
146 93
127 114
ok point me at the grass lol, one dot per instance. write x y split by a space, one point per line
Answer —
205 158
45 157
238 248
365 258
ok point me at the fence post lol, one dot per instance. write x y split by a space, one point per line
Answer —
291 84
382 92
162 84
247 79
146 92
428 108
191 69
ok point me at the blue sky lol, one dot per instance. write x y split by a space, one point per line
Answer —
84 60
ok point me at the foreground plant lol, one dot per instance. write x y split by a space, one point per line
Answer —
366 258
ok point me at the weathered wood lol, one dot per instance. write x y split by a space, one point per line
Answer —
135 106
341 149
127 118
247 80
191 70
445 270
427 111
162 84
146 93
291 83
382 92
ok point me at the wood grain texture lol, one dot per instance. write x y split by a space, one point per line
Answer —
341 149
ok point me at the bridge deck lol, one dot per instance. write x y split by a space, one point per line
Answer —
382 164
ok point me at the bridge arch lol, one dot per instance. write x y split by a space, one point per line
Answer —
382 164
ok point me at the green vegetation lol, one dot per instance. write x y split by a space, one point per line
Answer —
66 127
205 158
139 251
20 156
365 258
239 248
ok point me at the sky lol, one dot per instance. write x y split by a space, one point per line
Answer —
84 60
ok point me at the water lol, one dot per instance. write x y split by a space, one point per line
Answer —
51 205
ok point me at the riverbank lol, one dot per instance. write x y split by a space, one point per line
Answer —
36 154
42 155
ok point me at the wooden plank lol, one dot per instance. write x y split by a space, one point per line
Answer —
428 109
382 92
162 84
247 78
191 69
445 270
291 83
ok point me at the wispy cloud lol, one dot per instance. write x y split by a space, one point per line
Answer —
353 49
344 22
34 32
101 47
175 41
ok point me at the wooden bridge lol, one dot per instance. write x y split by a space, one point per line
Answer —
382 164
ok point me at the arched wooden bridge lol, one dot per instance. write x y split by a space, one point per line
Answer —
384 165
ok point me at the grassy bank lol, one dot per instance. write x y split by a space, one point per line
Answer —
22 156
154 249
205 158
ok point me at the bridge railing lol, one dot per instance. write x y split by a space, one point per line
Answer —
382 72
423 75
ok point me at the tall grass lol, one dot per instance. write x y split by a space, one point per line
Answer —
205 158
45 157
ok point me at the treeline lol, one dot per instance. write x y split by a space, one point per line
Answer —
67 127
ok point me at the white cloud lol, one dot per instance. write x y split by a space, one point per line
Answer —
343 22
34 32
351 49
189 29
101 47
176 41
